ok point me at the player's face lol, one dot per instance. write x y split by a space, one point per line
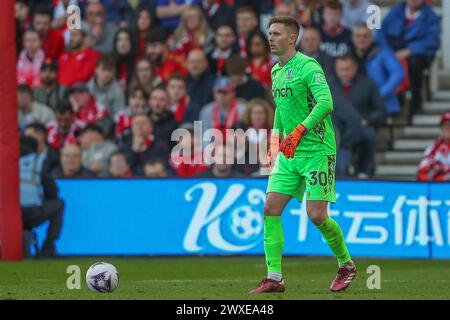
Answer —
280 39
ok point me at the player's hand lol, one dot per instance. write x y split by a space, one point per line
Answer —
290 143
274 148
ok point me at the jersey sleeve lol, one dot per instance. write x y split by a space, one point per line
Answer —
318 86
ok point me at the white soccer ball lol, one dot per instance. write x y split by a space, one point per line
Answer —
246 223
102 277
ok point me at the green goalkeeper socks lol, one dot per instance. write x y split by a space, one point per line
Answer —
273 243
333 236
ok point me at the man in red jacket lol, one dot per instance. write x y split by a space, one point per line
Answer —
52 40
79 63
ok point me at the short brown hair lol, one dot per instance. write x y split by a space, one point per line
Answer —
247 9
106 61
177 76
288 21
333 4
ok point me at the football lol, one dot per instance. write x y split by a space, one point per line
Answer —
102 277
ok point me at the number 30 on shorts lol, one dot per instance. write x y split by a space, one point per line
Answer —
318 177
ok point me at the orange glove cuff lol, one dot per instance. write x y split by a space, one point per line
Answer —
299 132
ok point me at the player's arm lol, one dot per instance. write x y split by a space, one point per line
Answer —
275 138
317 85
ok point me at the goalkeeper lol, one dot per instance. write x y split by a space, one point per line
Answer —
302 154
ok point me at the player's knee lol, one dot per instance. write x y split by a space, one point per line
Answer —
317 218
271 210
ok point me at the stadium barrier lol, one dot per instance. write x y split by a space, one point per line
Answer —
215 217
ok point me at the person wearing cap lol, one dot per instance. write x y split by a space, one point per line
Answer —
164 62
435 165
225 112
95 150
50 92
30 60
79 63
30 111
87 109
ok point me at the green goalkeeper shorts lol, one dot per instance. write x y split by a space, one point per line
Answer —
293 176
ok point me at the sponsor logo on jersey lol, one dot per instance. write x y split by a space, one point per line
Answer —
283 92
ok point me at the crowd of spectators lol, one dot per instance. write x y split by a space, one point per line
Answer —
110 94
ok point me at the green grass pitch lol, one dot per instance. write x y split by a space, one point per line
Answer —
198 278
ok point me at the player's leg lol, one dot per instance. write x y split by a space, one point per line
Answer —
284 183
273 243
320 179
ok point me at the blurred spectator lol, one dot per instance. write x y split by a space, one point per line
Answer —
223 164
118 166
155 168
163 120
336 39
200 80
362 94
31 111
412 30
39 196
247 21
71 165
123 12
104 87
63 131
37 131
143 145
30 60
180 104
225 46
157 51
137 104
189 160
87 109
435 165
380 65
245 86
101 32
23 21
145 24
95 149
50 92
257 120
170 11
286 9
52 40
310 45
145 76
309 12
192 32
259 59
78 64
125 56
225 111
218 13
354 12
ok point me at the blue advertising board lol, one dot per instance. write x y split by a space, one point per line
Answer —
196 216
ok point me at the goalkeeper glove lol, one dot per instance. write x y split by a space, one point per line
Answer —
292 140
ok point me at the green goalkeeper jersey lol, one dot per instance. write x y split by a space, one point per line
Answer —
302 95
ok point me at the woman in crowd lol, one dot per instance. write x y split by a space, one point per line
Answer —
259 59
125 55
144 76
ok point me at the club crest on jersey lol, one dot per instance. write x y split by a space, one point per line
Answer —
289 74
